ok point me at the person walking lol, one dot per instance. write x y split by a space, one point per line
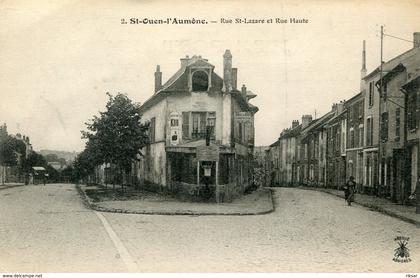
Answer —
349 190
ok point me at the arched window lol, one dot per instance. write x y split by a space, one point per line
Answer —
200 81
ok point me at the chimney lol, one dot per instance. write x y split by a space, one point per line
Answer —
184 61
234 78
158 79
416 39
295 123
306 120
227 70
363 70
340 106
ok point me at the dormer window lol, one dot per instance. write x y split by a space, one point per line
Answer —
200 81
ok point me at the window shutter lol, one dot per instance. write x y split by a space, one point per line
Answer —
185 125
203 124
417 109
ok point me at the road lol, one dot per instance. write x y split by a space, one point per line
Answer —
47 229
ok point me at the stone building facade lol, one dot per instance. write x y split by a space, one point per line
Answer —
201 132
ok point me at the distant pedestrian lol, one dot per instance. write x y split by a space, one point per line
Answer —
349 188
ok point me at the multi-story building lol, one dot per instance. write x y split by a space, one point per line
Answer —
398 134
336 128
288 143
372 158
273 160
201 131
314 140
355 137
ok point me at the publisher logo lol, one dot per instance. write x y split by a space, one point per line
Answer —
402 253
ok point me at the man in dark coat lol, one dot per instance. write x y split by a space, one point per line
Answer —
349 190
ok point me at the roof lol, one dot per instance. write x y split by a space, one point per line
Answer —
291 132
178 81
38 168
274 144
355 98
335 119
413 82
318 123
388 66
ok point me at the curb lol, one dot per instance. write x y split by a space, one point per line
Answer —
11 186
91 205
374 207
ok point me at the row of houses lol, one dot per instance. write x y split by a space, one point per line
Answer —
11 173
374 136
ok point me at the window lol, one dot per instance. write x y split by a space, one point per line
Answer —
371 92
397 123
200 81
240 130
384 126
195 124
369 132
198 125
174 122
351 138
152 130
361 135
411 111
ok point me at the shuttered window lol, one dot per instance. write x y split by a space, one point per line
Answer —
152 130
397 123
384 126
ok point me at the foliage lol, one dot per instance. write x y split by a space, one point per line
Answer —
68 173
34 159
10 149
116 135
84 164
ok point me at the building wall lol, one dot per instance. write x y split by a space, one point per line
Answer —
152 165
200 102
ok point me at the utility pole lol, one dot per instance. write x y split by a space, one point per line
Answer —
381 98
382 48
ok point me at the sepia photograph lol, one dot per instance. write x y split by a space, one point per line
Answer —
210 137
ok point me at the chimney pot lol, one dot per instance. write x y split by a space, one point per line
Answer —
227 70
306 119
158 79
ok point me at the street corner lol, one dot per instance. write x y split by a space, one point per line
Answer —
258 202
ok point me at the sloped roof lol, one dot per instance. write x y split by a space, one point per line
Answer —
291 132
315 124
178 82
388 66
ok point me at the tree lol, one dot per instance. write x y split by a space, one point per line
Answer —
68 174
116 135
84 164
8 154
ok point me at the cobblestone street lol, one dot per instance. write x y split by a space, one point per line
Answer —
47 229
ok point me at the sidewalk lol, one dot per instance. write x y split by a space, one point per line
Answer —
258 202
406 213
10 185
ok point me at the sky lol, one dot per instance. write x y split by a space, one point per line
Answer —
59 58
